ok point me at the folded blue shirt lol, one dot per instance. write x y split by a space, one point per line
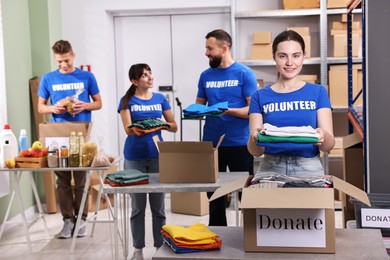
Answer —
195 110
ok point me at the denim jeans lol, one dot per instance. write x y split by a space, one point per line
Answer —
291 165
138 206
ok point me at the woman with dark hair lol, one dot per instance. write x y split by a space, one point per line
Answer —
290 103
140 151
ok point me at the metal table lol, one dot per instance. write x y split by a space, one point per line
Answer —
16 174
155 186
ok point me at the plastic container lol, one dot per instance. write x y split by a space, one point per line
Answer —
74 158
24 143
81 141
378 201
8 145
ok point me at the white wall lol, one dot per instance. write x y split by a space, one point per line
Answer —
88 25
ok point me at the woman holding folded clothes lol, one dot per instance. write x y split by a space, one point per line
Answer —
141 105
286 106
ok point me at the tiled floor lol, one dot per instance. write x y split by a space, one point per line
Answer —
13 244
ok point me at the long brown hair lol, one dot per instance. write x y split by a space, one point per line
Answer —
135 72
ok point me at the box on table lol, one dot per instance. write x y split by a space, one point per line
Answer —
191 203
31 162
187 162
58 130
262 37
338 85
376 216
261 52
299 4
289 219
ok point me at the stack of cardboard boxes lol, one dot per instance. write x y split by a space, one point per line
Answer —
262 46
338 85
305 33
339 33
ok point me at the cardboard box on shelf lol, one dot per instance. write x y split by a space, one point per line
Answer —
308 78
262 37
260 83
303 31
338 3
307 40
191 203
187 162
261 52
343 26
338 85
289 219
340 44
299 4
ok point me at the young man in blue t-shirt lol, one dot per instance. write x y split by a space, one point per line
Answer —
57 85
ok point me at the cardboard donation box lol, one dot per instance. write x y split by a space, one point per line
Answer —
261 48
48 132
290 219
191 203
188 162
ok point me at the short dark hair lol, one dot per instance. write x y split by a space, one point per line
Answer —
62 47
221 36
289 35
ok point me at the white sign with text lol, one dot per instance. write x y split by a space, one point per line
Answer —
291 227
375 217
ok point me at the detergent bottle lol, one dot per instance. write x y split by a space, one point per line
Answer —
8 145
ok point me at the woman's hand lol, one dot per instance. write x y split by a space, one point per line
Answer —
321 138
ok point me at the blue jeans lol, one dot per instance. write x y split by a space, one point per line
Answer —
138 206
291 165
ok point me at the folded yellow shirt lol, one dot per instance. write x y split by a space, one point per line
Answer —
193 235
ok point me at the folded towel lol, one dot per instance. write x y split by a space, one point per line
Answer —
289 131
126 177
193 235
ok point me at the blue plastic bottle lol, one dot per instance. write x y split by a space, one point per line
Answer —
23 140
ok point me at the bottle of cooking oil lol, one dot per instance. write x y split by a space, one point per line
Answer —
74 150
80 140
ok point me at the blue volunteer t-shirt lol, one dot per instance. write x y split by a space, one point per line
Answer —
297 108
143 147
57 86
233 85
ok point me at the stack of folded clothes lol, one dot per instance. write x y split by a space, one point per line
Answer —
199 110
126 178
148 125
276 180
196 238
299 135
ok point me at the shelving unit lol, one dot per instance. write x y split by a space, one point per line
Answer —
323 31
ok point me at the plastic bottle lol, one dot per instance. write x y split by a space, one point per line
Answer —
23 140
8 145
81 141
74 159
